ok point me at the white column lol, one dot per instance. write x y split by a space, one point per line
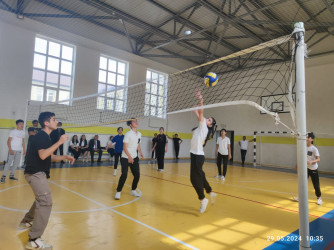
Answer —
304 231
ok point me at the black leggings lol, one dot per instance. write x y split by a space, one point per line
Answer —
315 181
197 175
221 157
117 156
135 172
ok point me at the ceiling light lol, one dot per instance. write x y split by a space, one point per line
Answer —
187 32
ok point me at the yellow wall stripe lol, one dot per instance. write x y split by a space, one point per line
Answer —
326 142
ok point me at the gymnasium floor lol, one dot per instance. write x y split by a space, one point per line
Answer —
254 209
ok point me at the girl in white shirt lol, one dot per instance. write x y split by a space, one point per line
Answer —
201 135
223 153
74 147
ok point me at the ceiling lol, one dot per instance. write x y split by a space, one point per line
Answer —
157 29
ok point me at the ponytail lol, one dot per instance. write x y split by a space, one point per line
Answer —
211 132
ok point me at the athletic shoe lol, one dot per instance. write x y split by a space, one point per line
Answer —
319 201
213 197
38 244
115 172
160 170
218 176
222 178
24 225
13 178
134 193
204 204
3 179
117 195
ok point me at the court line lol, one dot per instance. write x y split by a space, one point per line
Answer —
128 217
68 212
241 198
251 188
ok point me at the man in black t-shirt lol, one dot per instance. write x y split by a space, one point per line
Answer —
177 141
160 147
55 136
32 131
37 170
154 140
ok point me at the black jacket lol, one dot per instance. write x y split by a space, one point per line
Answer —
56 134
91 144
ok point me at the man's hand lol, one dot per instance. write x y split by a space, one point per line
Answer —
70 158
63 138
141 156
11 152
229 157
199 94
130 160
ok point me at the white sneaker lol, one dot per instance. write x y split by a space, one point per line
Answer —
319 201
38 244
213 197
115 172
25 225
204 204
134 193
117 195
218 176
222 178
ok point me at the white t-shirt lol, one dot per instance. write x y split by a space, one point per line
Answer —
312 153
132 139
199 135
75 144
17 137
112 144
244 144
223 145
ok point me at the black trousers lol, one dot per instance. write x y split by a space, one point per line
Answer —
197 175
160 153
154 151
135 172
75 153
61 150
117 156
315 181
243 155
221 158
92 154
111 152
177 150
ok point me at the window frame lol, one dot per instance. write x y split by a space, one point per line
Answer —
116 87
148 106
59 73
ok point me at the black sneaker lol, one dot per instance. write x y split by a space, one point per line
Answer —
13 178
3 179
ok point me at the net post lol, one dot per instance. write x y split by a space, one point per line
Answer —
304 230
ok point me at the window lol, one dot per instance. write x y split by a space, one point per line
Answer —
156 93
113 78
52 76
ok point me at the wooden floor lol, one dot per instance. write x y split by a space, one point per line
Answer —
252 205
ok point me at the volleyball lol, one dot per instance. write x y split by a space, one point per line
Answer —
210 79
